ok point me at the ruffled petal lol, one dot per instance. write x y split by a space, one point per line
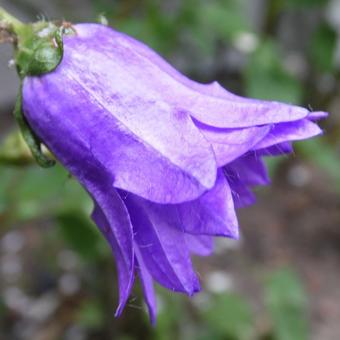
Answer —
152 81
147 285
285 132
250 169
229 144
162 247
317 115
211 214
283 148
115 225
241 195
227 113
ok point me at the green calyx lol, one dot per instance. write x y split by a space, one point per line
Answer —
38 49
38 46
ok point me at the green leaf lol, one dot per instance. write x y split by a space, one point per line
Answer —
170 315
223 19
90 314
5 187
287 305
82 235
32 192
273 163
323 47
266 78
323 155
230 316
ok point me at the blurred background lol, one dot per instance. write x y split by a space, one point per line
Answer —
281 280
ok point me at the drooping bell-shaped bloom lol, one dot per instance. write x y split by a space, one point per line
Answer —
165 159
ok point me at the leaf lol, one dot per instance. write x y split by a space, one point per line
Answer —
230 315
273 163
81 234
5 182
170 315
287 305
322 155
223 19
32 192
266 78
90 314
323 47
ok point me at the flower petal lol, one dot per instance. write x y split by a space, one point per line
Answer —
250 169
154 79
229 144
285 132
316 115
242 196
227 113
276 150
211 214
116 227
162 247
147 285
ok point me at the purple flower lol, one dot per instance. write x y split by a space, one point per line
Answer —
165 159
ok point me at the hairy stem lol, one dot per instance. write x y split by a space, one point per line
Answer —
9 22
31 139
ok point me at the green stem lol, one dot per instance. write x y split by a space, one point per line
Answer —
10 21
31 139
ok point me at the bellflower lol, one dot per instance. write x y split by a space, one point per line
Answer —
165 159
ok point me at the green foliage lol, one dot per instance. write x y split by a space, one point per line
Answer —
223 18
225 316
82 235
170 316
90 314
204 23
322 48
273 163
323 155
266 78
287 304
230 317
31 192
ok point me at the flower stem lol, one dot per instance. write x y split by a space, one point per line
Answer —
9 22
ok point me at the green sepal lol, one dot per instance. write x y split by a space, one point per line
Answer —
39 49
29 136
